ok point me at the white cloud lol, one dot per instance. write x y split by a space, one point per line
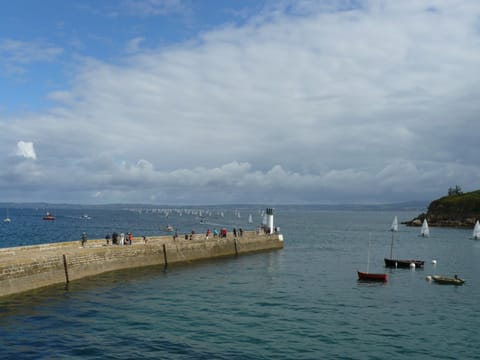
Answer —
133 46
370 104
153 7
26 150
60 96
16 54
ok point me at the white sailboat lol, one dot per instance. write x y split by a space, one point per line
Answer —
393 229
7 219
476 231
250 219
425 232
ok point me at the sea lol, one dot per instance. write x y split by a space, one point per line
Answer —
301 302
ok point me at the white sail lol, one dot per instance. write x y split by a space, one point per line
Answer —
425 230
7 219
476 231
394 225
250 220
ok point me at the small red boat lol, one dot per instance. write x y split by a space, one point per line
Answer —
365 276
48 216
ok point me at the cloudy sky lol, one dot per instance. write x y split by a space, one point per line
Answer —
238 101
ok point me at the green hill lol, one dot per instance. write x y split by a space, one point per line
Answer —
457 210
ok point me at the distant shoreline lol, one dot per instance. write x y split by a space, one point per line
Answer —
406 206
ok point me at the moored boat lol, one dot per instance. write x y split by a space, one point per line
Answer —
446 280
365 276
403 263
400 263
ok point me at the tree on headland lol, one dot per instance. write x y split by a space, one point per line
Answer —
457 190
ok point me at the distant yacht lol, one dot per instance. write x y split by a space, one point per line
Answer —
7 219
48 216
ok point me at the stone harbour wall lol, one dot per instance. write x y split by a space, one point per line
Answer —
29 267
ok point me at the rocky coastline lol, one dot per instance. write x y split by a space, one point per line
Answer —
444 222
458 210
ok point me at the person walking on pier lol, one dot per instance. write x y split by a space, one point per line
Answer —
84 238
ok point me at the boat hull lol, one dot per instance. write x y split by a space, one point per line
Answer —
371 277
396 263
445 280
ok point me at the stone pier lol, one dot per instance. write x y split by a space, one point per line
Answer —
29 267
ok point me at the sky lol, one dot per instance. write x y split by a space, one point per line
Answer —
238 101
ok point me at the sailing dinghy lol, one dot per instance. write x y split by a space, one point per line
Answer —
476 231
425 232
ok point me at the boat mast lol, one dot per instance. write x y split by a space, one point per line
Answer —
368 257
393 229
391 247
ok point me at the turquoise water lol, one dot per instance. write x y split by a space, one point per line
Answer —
302 302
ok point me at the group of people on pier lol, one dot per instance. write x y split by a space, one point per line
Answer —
119 239
126 239
222 233
115 238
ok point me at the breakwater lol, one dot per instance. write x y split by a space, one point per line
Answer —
29 267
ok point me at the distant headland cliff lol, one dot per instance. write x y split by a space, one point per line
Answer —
457 209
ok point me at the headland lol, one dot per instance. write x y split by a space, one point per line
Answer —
458 209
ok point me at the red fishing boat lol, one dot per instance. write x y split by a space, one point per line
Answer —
48 216
365 276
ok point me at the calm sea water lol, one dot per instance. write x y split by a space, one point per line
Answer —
302 302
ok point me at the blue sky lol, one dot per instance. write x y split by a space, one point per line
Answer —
205 102
49 38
